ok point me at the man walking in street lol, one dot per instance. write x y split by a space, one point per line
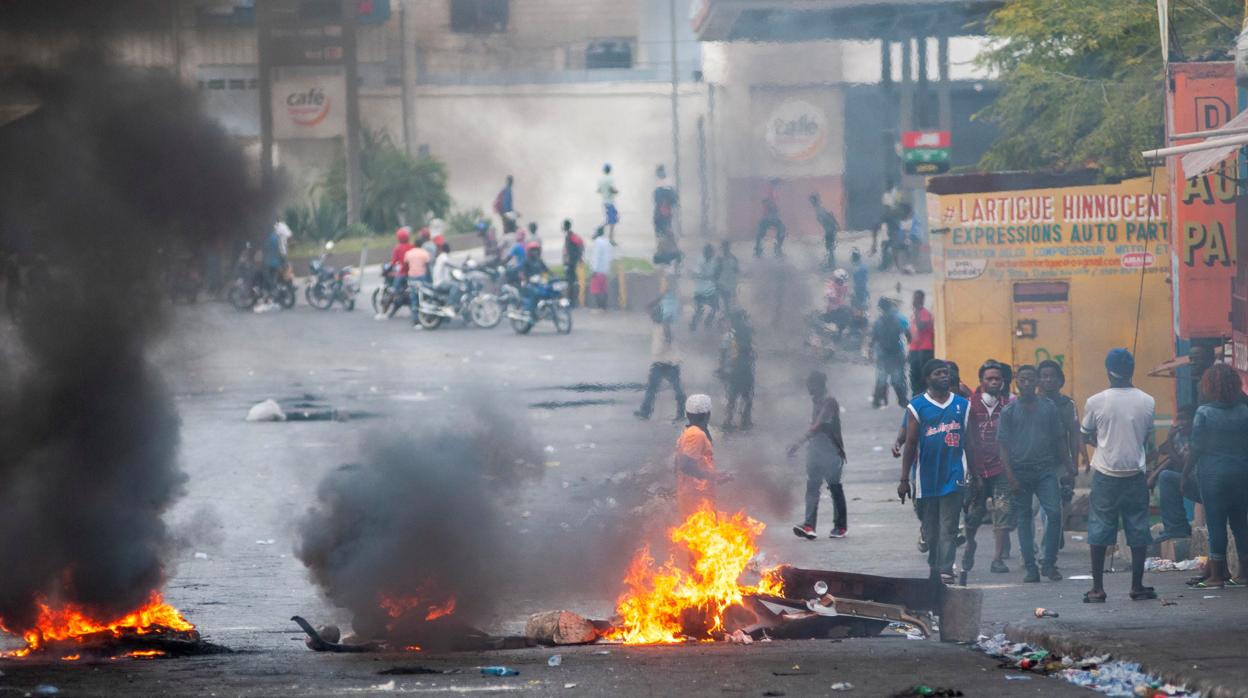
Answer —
990 489
1034 450
606 188
1119 422
705 293
504 206
888 337
933 454
600 269
736 369
573 253
861 275
830 227
664 353
665 200
922 342
770 220
825 458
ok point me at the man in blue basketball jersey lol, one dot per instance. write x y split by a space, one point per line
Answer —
934 457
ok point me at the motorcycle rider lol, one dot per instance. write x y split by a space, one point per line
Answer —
398 265
533 271
836 298
515 260
443 282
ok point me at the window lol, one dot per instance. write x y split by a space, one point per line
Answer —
478 16
1041 292
609 53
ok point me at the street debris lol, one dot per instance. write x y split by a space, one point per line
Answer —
266 411
498 671
842 686
1017 677
1045 613
46 689
561 628
555 660
738 637
1100 673
921 690
1158 564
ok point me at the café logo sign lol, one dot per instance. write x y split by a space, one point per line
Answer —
796 130
308 107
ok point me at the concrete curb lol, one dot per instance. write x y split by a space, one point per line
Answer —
1055 638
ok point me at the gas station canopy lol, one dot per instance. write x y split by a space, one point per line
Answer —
815 20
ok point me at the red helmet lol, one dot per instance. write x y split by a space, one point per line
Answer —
424 233
403 234
535 245
438 240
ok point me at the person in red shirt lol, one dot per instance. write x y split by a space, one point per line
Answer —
398 267
696 476
990 485
922 343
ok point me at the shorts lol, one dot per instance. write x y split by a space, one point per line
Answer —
993 496
613 216
1114 499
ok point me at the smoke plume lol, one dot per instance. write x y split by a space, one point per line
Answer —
113 171
417 525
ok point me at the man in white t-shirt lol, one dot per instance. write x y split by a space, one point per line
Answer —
1119 422
606 188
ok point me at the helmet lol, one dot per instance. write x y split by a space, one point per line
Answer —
840 275
403 234
424 233
533 246
482 225
438 240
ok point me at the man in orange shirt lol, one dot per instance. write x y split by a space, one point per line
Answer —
695 462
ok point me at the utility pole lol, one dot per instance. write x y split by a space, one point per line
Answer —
352 138
264 19
671 5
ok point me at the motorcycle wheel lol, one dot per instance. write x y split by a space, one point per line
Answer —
485 312
241 296
350 304
285 296
428 321
320 297
562 317
521 326
378 300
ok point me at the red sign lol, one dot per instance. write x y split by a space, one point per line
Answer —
1202 220
924 139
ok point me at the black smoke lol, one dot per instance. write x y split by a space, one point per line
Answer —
420 519
112 170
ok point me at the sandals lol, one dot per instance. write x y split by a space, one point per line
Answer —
1091 597
1143 594
1193 581
1202 585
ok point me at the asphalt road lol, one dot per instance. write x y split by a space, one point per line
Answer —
236 576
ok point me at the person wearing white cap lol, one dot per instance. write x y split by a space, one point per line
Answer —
695 461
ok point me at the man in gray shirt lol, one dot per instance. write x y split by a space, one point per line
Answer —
1034 451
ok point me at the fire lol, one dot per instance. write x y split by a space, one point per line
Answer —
69 623
445 609
145 654
397 607
412 648
659 600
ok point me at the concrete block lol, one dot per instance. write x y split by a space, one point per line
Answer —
960 614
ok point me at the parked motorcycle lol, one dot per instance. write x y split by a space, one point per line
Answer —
328 284
250 283
548 302
433 305
386 300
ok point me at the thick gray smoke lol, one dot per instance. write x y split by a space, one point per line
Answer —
114 168
418 522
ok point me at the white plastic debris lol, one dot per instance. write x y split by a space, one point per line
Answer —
266 541
842 686
267 411
738 637
569 685
555 660
549 449
46 689
201 556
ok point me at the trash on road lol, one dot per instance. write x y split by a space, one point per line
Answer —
1045 613
498 671
46 689
201 556
555 660
842 686
1158 564
266 411
1100 673
738 637
921 690
1017 677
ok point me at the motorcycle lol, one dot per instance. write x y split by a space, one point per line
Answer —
251 284
328 284
548 302
387 300
837 333
473 305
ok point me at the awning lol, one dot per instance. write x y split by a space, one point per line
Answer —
1201 161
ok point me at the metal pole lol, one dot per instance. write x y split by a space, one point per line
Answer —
353 111
404 75
265 69
671 5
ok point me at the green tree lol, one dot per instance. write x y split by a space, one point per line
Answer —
1082 82
393 183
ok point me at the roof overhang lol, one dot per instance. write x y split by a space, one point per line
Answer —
815 20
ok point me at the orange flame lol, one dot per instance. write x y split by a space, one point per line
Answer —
657 602
145 654
70 623
412 648
445 609
397 607
71 657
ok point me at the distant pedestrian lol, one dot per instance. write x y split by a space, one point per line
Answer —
888 336
606 188
705 293
729 273
860 274
504 206
1220 457
830 227
736 369
1119 422
533 236
922 342
573 253
989 491
600 267
1034 452
664 353
667 252
770 221
665 201
933 455
825 459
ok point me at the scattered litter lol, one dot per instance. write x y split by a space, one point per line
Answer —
1099 672
912 632
267 411
1158 564
1017 677
1169 603
877 449
46 689
201 556
922 690
1080 576
603 652
589 427
569 685
549 449
1045 613
1076 537
555 660
1212 596
408 670
267 541
547 357
552 464
525 514
498 671
387 686
842 686
583 446
738 637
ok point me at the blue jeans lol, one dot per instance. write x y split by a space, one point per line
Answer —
1114 500
1224 490
1173 513
1041 483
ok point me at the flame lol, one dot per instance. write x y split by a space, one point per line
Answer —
412 648
657 602
71 657
771 583
397 607
445 609
69 623
145 654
